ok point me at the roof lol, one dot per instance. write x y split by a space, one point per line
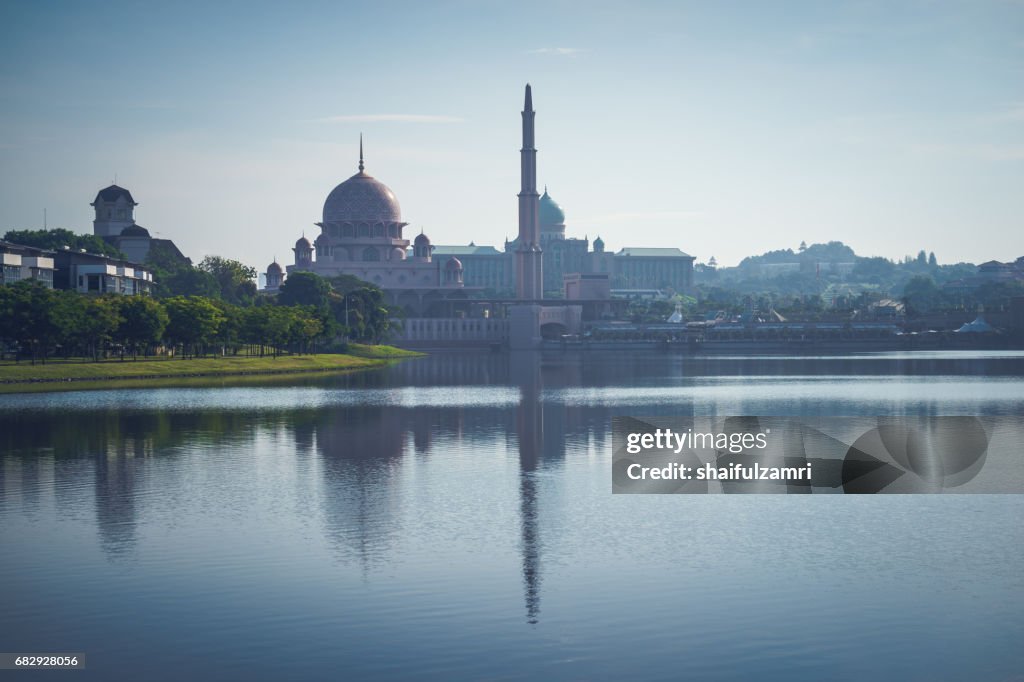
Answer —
135 230
465 251
647 252
362 198
11 246
113 193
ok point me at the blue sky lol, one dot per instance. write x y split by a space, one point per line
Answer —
723 129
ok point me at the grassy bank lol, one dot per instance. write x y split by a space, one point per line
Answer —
54 372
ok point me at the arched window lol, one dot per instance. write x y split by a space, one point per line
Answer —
371 254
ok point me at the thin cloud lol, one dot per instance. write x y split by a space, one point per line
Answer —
564 51
390 118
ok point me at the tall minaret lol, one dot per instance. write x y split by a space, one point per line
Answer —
529 274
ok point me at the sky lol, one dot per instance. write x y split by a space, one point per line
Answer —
725 129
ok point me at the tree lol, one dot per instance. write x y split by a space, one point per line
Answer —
235 280
803 246
142 324
188 281
193 323
932 262
921 295
305 288
100 322
173 275
31 317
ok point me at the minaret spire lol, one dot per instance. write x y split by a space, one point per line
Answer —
360 152
529 275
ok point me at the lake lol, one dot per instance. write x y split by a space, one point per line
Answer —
452 518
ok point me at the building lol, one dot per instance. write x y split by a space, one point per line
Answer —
74 270
93 273
486 267
25 262
114 221
653 268
590 286
361 234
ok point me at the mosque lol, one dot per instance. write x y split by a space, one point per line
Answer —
362 234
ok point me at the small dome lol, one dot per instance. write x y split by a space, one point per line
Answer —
598 244
453 264
274 268
303 243
421 240
551 213
135 231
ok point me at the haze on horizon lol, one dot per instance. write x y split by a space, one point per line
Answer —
723 129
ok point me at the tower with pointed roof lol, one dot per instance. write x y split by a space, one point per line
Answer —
529 257
115 210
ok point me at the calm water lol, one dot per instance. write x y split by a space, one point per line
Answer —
452 518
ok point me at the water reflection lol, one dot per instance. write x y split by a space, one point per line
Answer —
450 502
529 433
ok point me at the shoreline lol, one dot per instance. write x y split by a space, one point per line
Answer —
56 376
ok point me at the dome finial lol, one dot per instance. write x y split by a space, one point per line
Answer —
360 152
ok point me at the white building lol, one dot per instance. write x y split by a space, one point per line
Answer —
25 262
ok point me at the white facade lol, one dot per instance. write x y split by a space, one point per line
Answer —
19 263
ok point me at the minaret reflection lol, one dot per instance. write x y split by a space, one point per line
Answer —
525 367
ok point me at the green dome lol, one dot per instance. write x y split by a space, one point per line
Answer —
550 212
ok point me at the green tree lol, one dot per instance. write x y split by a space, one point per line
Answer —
921 295
305 288
193 323
235 280
229 333
188 281
99 324
31 318
142 324
173 274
